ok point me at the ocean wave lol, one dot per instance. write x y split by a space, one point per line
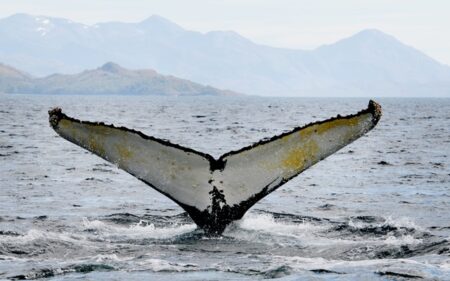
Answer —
140 230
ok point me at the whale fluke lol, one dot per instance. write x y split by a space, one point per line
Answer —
215 192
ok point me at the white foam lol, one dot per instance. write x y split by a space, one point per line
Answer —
9 258
252 226
266 223
407 266
36 234
164 265
389 221
143 229
357 225
397 222
263 228
304 263
402 222
403 240
103 258
445 265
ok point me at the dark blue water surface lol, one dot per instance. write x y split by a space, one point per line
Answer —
379 209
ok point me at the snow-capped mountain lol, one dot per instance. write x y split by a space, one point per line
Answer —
369 63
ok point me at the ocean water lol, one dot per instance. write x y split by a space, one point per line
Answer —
379 209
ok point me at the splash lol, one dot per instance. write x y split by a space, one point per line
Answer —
267 223
141 230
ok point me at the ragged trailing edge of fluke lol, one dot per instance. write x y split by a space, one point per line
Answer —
215 192
56 114
373 108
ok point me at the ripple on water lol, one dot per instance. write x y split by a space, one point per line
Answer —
384 219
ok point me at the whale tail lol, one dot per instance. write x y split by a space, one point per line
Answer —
215 192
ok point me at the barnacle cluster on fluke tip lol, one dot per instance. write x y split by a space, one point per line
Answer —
54 115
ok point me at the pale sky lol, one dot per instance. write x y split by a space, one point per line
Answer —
298 24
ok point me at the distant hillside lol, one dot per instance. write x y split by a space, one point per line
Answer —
369 63
13 79
110 79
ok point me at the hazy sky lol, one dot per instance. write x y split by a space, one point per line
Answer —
301 24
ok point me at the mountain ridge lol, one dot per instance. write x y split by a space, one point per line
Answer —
110 78
369 63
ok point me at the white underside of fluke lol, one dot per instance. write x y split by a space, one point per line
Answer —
247 172
188 176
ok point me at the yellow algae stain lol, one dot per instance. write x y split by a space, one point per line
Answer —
347 122
286 138
101 130
95 146
325 127
307 132
63 123
123 151
299 157
68 129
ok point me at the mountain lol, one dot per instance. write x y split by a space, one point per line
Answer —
369 63
107 79
13 79
375 62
